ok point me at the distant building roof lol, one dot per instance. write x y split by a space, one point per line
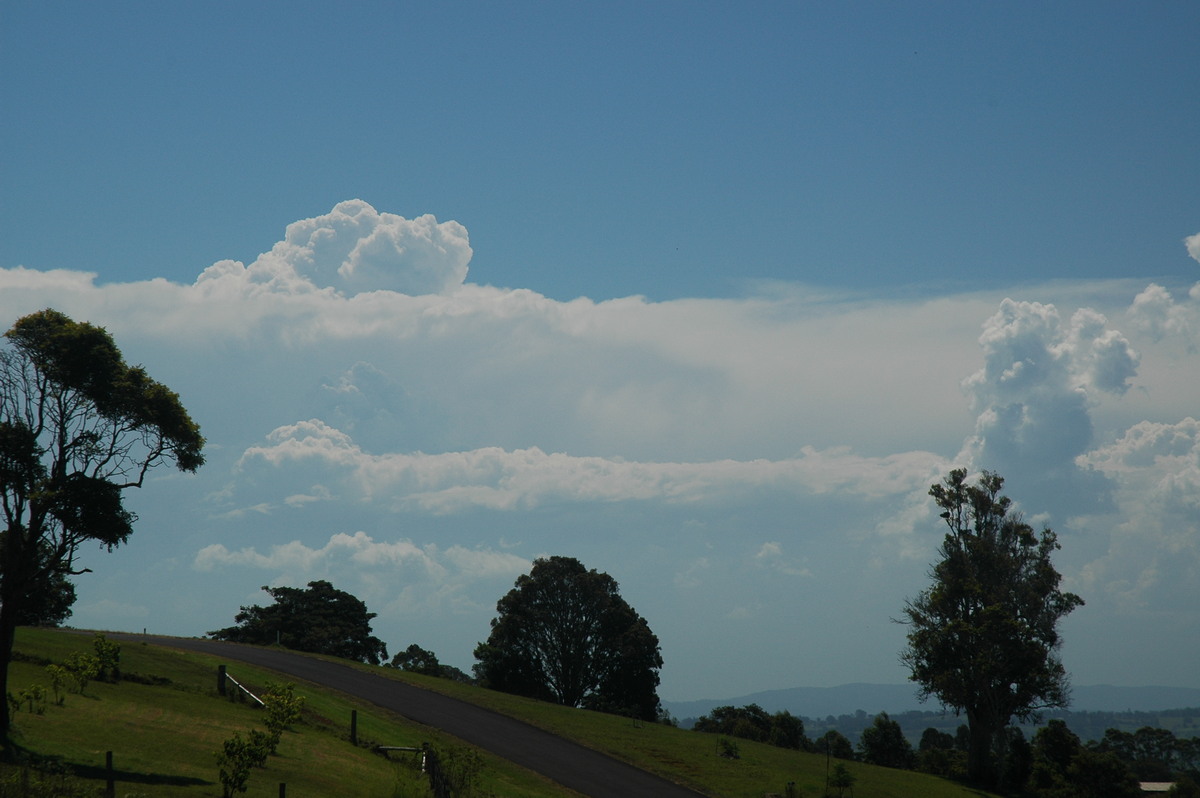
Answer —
1156 786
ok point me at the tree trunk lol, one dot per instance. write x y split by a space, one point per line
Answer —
979 751
8 628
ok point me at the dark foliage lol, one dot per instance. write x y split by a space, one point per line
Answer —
564 634
835 744
752 722
78 426
319 620
983 639
1064 768
415 659
883 743
49 602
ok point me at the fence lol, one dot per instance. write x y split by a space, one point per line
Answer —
224 676
431 765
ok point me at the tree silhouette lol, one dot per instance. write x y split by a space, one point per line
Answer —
984 637
319 619
564 634
77 427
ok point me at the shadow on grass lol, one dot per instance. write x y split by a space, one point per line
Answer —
18 755
131 777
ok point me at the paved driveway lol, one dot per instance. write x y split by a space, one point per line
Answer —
567 763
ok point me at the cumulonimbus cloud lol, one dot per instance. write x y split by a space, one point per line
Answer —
354 249
1041 375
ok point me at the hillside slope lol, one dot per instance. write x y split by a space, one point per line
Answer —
156 743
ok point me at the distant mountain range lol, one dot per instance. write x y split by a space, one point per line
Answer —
846 699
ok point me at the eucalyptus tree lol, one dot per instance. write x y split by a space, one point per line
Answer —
983 638
78 426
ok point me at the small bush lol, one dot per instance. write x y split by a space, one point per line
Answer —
58 681
83 668
234 761
108 658
35 696
282 707
261 745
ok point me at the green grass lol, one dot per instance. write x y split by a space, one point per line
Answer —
164 737
691 758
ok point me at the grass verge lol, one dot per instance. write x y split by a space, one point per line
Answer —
164 723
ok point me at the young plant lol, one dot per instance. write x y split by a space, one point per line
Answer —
58 680
83 668
234 761
108 658
282 707
36 696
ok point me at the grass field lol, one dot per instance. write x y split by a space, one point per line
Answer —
165 722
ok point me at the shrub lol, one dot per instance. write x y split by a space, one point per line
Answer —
282 707
58 680
108 658
83 668
234 761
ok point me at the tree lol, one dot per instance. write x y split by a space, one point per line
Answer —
417 660
883 743
564 634
834 743
319 619
49 601
77 427
751 722
984 637
842 779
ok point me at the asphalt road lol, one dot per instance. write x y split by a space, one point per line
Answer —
581 769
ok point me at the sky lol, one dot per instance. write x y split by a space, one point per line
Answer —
705 295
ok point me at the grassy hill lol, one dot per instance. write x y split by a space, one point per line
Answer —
164 722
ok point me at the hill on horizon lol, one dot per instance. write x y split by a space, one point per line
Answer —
846 699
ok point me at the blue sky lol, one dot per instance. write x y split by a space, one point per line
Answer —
704 294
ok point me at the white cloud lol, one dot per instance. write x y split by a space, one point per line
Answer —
770 555
1156 313
362 551
1034 394
1193 245
499 479
354 249
704 452
1153 555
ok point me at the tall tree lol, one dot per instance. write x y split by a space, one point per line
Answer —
319 619
883 743
77 427
564 634
984 637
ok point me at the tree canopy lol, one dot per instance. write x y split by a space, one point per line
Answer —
883 743
78 426
751 722
319 619
415 659
48 602
983 638
564 634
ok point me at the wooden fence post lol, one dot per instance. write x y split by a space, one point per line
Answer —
354 727
220 680
110 787
282 789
